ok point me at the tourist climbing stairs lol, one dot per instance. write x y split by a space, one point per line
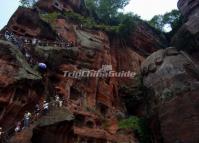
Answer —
55 114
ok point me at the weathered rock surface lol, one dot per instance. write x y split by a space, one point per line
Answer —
187 36
62 5
188 8
15 74
174 78
94 102
14 66
26 22
153 40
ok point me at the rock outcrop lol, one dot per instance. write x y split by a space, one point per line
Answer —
93 104
188 8
174 77
62 6
26 22
153 40
187 36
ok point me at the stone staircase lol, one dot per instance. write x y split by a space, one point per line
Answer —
55 115
24 136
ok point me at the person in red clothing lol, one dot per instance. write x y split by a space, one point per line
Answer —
46 107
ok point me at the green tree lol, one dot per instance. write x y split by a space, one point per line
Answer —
126 23
173 19
139 126
105 10
157 22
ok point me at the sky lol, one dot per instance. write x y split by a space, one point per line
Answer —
144 8
7 8
148 8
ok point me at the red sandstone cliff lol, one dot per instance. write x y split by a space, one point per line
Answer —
93 102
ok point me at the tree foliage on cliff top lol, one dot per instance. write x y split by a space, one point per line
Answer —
105 10
172 19
124 23
106 15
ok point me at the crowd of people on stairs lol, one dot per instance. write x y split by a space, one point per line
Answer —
31 117
33 41
22 43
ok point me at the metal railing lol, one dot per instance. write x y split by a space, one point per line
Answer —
8 133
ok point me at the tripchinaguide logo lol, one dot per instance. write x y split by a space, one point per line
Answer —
105 72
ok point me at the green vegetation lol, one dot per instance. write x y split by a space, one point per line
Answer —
125 23
125 26
171 19
77 18
50 17
134 96
139 126
131 122
105 10
105 14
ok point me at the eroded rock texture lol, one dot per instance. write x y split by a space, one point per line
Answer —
92 105
188 8
173 76
26 22
187 36
63 5
16 72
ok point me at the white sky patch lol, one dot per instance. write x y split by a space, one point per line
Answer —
148 8
7 8
167 28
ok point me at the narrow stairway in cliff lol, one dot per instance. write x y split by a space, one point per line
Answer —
55 115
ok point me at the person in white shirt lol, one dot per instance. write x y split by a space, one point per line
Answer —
34 41
60 102
7 36
57 100
46 107
18 127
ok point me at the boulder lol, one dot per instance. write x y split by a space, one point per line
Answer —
175 83
187 36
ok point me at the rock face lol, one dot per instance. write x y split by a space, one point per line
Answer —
188 8
62 5
94 103
174 77
153 40
187 36
26 22
15 72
